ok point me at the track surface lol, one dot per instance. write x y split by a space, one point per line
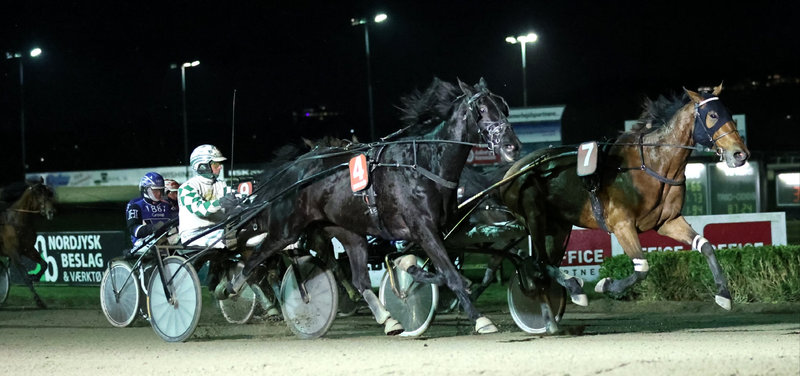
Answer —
608 338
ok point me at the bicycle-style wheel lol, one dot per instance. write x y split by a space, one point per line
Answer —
312 318
239 309
119 294
174 320
4 285
416 310
526 309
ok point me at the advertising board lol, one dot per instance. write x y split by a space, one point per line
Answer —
587 249
76 258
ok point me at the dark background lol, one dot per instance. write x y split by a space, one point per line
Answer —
103 95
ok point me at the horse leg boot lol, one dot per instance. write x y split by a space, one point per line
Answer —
488 277
574 285
551 326
640 269
391 326
680 230
723 297
408 264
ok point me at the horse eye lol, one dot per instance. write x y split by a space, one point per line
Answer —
713 115
483 109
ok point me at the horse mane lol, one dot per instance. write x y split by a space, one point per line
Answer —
290 164
656 114
280 157
13 192
421 111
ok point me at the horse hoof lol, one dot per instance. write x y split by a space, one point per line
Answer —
405 262
551 328
273 315
392 327
601 286
575 287
723 302
221 291
484 326
580 300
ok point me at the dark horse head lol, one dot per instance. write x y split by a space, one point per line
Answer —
436 105
32 196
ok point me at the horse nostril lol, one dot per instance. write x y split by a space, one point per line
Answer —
740 156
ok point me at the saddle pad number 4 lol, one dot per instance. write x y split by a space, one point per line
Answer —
587 158
359 178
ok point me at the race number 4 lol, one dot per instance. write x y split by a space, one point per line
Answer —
359 178
587 158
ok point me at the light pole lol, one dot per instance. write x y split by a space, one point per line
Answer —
183 101
363 21
17 55
522 40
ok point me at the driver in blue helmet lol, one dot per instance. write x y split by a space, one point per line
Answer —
147 213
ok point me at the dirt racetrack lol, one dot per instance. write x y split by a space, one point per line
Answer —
606 338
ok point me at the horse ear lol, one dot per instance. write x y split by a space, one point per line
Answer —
464 87
482 84
308 143
717 89
31 181
696 98
355 139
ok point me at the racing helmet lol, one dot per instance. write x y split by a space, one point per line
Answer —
201 159
150 182
171 185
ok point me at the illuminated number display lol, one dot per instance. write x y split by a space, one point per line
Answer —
787 187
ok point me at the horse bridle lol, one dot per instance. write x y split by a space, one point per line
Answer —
41 206
706 138
493 131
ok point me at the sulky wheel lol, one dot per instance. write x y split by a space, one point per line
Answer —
174 320
526 309
239 309
119 294
4 285
415 311
313 317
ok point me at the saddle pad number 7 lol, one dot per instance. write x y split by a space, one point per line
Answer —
359 178
587 158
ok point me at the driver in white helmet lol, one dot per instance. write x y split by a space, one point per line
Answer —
204 199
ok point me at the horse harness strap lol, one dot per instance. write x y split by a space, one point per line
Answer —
416 167
649 170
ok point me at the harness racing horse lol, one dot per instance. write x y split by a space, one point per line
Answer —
638 186
412 175
17 233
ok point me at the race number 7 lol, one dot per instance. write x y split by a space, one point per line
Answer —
587 158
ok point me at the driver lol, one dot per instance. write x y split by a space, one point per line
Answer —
149 212
171 186
204 200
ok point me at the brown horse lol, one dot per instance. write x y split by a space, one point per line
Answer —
17 233
638 185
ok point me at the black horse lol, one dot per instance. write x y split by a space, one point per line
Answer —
413 176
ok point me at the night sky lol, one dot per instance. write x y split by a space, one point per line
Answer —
103 95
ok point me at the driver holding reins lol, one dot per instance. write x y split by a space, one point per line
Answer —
204 200
147 213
